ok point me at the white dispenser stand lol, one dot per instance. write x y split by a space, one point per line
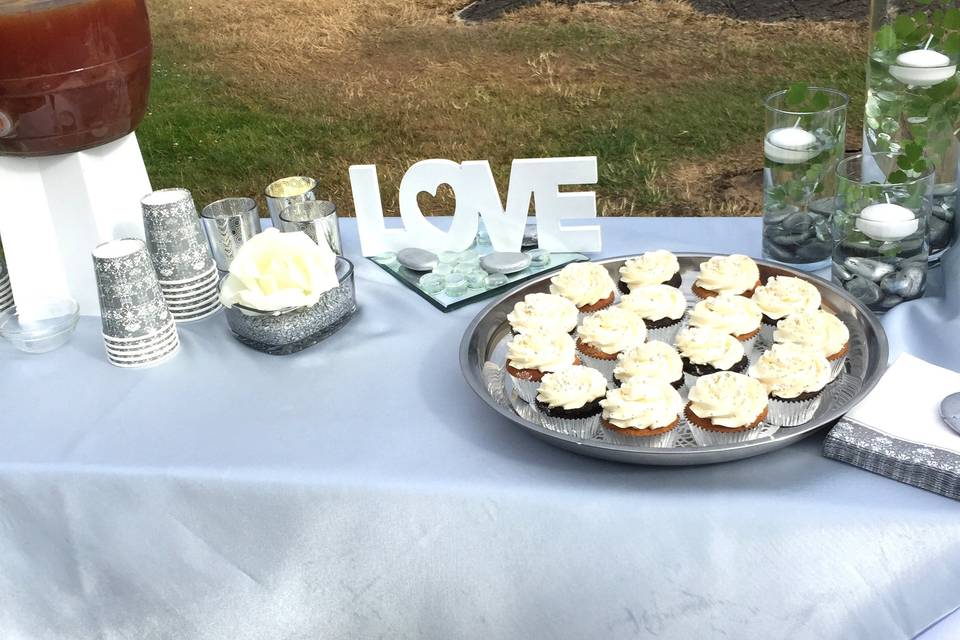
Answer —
54 210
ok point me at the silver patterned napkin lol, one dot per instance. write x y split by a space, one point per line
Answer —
897 432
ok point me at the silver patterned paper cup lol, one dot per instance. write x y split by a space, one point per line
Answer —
131 303
286 191
174 238
228 224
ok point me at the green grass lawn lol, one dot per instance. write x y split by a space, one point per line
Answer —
550 88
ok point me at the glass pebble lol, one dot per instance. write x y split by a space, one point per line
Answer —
539 258
443 268
386 258
448 257
477 279
432 283
495 280
454 278
465 268
468 257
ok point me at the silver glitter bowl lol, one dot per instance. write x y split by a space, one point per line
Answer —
291 330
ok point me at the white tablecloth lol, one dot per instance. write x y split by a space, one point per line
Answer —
360 490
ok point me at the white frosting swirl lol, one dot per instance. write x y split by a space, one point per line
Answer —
707 346
642 403
735 315
612 330
655 302
572 388
543 312
789 370
653 267
542 351
583 283
654 359
728 399
729 274
818 330
784 295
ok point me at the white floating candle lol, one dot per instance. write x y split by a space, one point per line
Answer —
887 222
790 145
922 68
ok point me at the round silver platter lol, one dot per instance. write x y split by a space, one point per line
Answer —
483 356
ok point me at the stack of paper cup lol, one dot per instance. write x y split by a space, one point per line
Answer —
186 272
138 329
6 291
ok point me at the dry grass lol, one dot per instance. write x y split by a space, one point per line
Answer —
636 84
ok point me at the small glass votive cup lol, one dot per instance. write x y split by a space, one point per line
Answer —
881 227
317 218
286 191
228 224
291 330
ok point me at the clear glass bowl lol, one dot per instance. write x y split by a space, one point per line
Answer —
58 321
290 330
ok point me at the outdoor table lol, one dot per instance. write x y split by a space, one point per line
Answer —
359 489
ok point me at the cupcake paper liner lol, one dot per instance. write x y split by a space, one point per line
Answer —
526 389
661 441
749 344
706 438
766 333
792 413
665 334
579 428
836 366
605 367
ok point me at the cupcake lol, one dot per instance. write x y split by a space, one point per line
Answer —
661 307
585 284
820 332
543 312
655 359
645 412
653 267
780 297
569 401
532 355
794 379
603 335
736 315
726 408
736 275
705 351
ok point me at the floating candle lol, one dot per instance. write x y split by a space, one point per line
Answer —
922 68
887 222
790 145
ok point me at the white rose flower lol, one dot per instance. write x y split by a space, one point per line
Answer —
274 271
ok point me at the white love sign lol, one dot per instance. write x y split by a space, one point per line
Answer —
477 197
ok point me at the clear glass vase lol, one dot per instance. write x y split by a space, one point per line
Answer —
881 228
804 140
913 97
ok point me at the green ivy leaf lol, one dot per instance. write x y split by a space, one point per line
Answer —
796 94
897 177
951 44
904 162
913 150
820 101
920 166
885 38
951 19
903 25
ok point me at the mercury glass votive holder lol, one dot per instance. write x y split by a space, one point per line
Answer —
881 228
286 191
317 218
228 224
291 330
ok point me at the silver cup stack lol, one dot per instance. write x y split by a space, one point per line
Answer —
6 291
186 272
138 329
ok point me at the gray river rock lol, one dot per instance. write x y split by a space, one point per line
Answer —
873 270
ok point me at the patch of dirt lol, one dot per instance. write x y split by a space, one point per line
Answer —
765 10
